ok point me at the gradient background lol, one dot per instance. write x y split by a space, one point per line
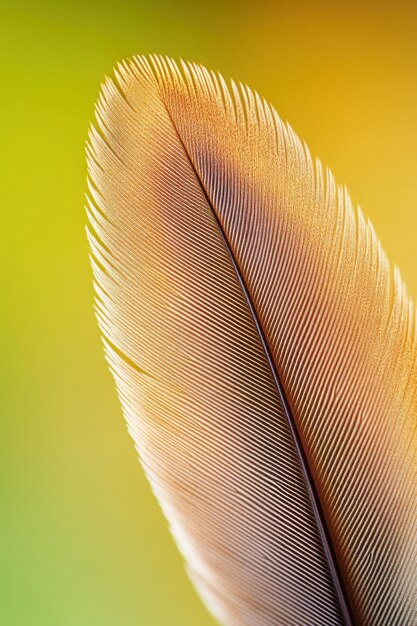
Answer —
82 541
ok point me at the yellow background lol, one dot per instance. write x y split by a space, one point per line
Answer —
82 541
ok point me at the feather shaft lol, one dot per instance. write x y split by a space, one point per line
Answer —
315 502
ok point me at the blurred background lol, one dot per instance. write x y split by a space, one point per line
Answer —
82 541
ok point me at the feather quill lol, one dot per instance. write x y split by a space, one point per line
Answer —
263 348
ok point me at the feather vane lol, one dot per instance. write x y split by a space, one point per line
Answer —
263 348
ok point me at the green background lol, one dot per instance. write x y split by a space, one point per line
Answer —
82 541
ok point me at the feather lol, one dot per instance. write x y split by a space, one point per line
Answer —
264 352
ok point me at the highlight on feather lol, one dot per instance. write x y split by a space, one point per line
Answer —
264 352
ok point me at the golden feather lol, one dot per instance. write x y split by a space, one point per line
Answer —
264 351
